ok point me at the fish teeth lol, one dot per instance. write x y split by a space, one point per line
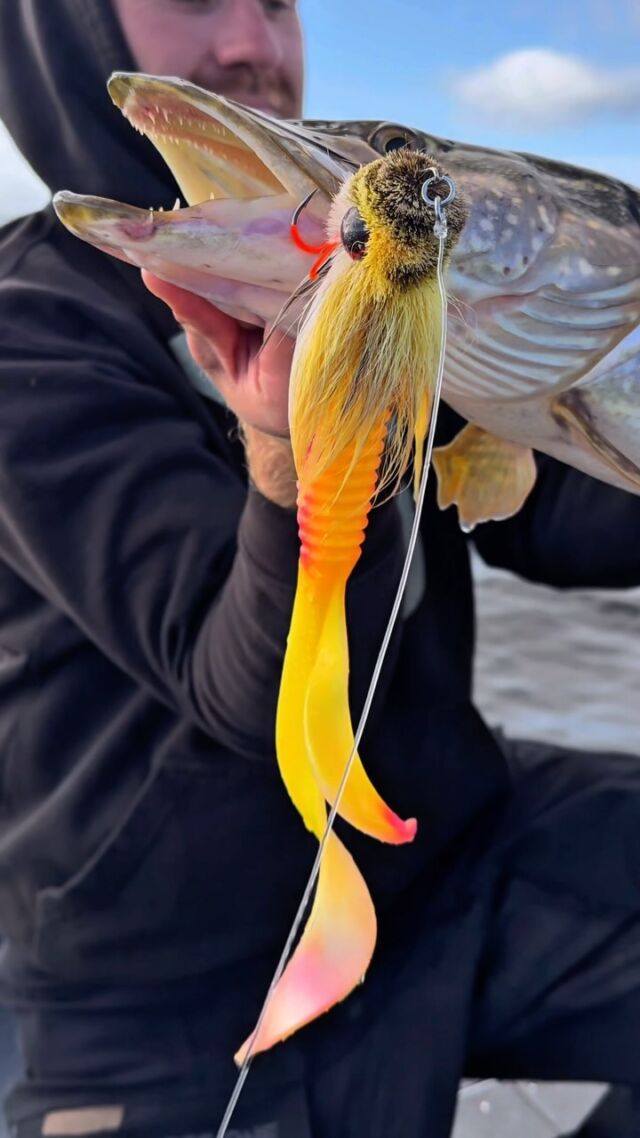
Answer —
178 204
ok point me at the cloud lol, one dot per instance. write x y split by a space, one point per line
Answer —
538 88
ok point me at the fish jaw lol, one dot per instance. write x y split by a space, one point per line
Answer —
242 173
214 145
238 255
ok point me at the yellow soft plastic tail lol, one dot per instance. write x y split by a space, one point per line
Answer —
332 956
329 734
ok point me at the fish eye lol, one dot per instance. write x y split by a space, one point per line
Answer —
396 143
390 137
354 234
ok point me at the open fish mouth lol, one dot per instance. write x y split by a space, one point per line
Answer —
241 173
214 146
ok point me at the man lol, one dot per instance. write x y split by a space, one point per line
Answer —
150 860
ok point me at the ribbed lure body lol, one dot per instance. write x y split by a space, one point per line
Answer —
333 513
362 381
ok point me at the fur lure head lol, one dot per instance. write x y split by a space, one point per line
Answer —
369 345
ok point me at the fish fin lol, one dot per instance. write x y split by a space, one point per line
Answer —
329 733
486 477
598 422
332 956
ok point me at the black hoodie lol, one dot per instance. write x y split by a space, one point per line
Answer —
150 860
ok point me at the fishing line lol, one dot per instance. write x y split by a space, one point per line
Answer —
440 230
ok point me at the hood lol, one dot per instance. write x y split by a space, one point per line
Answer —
55 59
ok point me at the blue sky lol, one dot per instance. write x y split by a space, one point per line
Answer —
556 77
408 60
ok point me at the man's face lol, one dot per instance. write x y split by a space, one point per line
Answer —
249 50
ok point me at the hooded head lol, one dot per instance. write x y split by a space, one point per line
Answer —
246 50
55 59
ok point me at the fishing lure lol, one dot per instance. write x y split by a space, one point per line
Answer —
362 391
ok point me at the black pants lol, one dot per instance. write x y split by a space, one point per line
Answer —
525 965
524 962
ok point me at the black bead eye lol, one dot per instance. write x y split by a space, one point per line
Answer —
354 234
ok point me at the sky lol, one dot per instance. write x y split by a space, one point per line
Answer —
554 77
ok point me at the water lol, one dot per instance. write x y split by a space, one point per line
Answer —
564 667
560 666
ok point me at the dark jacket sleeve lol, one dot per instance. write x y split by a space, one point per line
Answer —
573 531
115 508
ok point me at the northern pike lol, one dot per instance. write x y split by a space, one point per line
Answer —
544 283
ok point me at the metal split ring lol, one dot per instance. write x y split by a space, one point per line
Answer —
438 202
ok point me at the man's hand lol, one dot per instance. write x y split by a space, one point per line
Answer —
254 384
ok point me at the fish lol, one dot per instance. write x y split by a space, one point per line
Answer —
543 351
363 393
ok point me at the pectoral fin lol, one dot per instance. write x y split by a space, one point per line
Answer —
602 417
486 477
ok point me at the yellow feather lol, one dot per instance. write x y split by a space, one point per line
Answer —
363 349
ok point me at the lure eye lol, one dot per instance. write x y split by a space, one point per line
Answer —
354 234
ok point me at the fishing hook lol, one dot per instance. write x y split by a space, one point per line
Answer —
324 251
294 225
